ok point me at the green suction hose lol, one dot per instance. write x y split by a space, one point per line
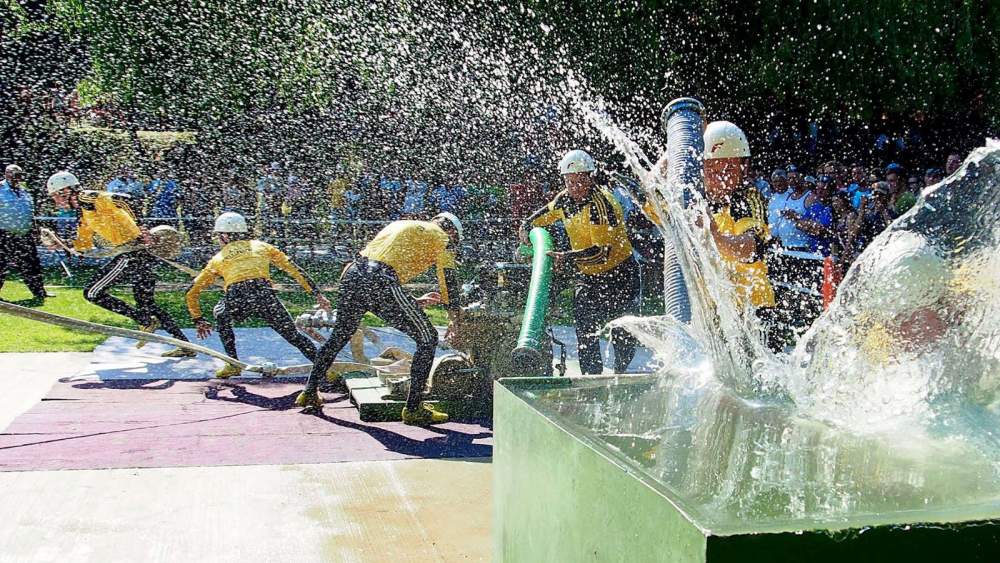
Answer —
528 358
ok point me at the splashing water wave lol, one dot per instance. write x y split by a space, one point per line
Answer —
914 331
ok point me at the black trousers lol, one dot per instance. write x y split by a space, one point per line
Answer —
367 285
18 252
135 268
599 299
256 298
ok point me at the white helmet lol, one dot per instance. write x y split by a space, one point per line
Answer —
230 222
576 161
453 220
60 181
724 139
13 169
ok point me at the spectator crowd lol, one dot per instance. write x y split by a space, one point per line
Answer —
830 215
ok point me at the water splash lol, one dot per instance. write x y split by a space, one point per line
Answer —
915 323
725 328
915 327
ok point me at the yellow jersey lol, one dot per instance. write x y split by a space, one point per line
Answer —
747 212
410 248
596 229
106 215
239 261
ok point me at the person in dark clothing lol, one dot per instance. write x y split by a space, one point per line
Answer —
607 276
873 217
18 232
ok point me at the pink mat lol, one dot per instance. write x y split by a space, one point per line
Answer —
92 424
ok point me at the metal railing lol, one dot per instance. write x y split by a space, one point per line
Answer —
331 241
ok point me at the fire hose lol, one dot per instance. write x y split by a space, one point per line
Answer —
528 357
265 369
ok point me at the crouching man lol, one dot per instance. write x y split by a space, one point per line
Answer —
244 266
374 282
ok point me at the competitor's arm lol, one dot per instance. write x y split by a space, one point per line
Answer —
204 279
749 243
448 282
542 217
585 256
747 247
280 259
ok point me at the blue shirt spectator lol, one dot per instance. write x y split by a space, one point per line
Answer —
858 196
126 184
448 198
165 197
17 209
625 200
416 193
352 202
781 226
822 214
763 187
390 185
392 197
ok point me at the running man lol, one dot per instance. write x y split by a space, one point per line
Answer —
374 282
109 217
244 266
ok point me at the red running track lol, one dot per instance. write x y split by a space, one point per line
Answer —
90 424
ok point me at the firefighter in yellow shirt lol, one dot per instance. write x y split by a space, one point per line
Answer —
374 282
109 218
607 275
244 266
738 221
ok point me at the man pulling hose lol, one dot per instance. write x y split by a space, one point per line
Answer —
244 266
110 217
374 282
607 275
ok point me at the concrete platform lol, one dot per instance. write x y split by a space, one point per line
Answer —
427 510
702 476
413 510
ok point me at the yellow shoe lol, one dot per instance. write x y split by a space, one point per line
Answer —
150 328
424 415
227 371
179 353
309 400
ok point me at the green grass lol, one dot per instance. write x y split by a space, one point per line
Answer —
21 335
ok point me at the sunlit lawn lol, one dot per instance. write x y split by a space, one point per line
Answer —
21 335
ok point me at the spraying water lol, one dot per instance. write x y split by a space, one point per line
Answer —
914 325
886 406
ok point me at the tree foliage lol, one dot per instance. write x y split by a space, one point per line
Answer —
472 78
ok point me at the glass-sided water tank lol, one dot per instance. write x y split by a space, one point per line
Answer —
641 469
